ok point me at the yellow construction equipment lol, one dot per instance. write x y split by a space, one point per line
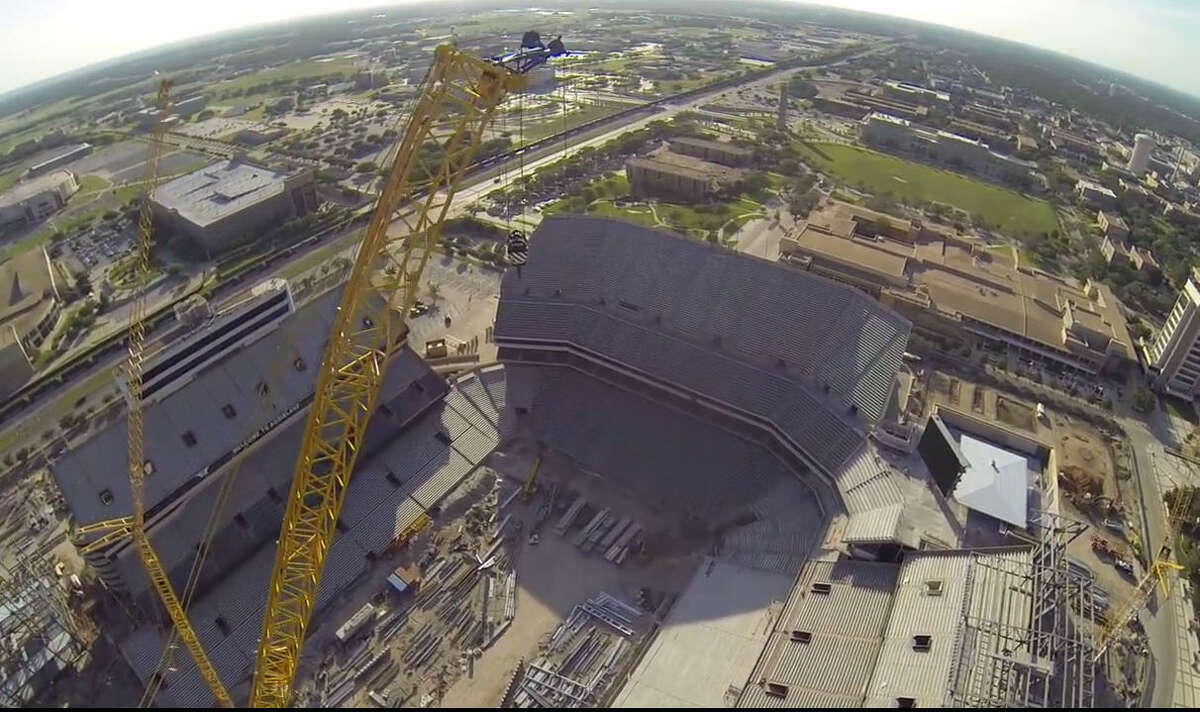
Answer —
369 329
531 480
1160 572
133 384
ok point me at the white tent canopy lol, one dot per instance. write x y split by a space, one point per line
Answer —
996 483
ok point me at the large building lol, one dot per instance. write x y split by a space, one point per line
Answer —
61 158
29 306
712 151
229 401
956 151
947 284
1173 357
232 202
1095 195
799 363
1113 225
1139 157
37 198
667 174
915 94
939 629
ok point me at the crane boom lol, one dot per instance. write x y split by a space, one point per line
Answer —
465 91
133 382
1160 572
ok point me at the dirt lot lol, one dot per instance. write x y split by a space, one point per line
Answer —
1015 414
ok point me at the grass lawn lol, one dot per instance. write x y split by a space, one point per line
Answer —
538 130
1003 209
8 179
92 183
1179 408
290 72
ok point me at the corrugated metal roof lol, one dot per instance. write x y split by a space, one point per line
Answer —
843 627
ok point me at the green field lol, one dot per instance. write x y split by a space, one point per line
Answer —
92 183
1003 209
308 70
8 179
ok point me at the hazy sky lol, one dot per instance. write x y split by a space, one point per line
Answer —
1150 38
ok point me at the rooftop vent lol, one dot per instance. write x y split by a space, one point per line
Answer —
822 587
801 636
774 689
934 587
922 643
905 702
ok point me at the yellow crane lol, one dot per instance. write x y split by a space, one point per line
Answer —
135 525
368 331
1159 573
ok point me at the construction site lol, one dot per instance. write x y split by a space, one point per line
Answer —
689 477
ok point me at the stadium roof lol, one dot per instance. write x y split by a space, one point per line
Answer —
996 483
824 645
218 191
25 280
977 593
28 188
755 334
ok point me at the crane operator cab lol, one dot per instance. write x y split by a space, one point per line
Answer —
517 249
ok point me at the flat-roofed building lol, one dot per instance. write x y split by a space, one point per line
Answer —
1143 261
231 202
1096 195
942 282
61 158
671 175
1113 226
1114 251
963 153
1072 146
885 105
713 151
915 94
37 198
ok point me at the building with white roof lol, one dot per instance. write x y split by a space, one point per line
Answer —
231 202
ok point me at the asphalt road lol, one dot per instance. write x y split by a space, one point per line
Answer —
1145 441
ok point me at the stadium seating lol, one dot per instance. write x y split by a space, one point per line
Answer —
757 337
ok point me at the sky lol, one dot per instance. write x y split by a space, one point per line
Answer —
1150 38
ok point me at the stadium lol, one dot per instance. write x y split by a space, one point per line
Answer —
737 402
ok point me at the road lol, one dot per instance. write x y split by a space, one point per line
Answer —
1174 681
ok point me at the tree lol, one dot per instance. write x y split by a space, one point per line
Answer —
1143 400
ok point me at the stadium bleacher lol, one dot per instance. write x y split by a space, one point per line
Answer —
762 340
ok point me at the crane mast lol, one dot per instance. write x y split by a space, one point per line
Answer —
460 95
133 382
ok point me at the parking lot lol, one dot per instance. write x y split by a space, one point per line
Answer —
94 250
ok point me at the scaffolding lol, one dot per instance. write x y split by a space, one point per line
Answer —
39 637
1029 644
